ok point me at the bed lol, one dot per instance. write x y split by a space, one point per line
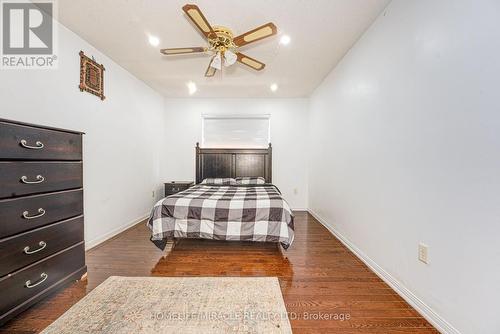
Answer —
243 211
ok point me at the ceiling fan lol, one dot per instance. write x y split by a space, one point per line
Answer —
222 43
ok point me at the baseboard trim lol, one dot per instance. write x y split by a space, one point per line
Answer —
97 241
425 310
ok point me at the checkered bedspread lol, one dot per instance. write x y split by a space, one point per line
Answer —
243 212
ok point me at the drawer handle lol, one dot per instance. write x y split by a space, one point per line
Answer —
42 244
43 277
39 145
40 179
26 215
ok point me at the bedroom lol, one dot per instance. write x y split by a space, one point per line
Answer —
374 128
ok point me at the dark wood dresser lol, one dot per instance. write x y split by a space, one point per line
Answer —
41 213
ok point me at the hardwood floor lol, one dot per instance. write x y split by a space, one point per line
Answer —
320 277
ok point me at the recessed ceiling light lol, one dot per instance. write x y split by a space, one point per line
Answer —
285 39
153 40
191 87
274 87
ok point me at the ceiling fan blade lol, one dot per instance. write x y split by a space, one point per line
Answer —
256 34
179 51
210 72
198 19
249 61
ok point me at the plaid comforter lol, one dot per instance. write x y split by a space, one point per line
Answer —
243 212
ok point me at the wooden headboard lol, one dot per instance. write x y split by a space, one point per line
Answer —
233 162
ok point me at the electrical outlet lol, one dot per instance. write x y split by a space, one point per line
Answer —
295 191
423 253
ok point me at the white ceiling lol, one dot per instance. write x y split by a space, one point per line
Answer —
321 32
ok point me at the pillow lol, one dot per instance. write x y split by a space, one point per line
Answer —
250 180
219 181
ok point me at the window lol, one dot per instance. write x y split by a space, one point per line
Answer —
236 131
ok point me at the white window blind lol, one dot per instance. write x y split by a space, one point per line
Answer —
236 131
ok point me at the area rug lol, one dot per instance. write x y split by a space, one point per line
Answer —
178 305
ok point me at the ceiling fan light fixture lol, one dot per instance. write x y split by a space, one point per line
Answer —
229 58
217 62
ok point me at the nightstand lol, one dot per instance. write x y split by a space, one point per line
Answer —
176 186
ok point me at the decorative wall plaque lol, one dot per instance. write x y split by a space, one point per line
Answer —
91 76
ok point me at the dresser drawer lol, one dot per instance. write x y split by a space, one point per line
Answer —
29 247
31 143
24 178
39 210
35 279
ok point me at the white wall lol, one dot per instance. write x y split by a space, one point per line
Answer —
288 136
123 133
406 138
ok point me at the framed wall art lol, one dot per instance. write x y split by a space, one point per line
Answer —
91 76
